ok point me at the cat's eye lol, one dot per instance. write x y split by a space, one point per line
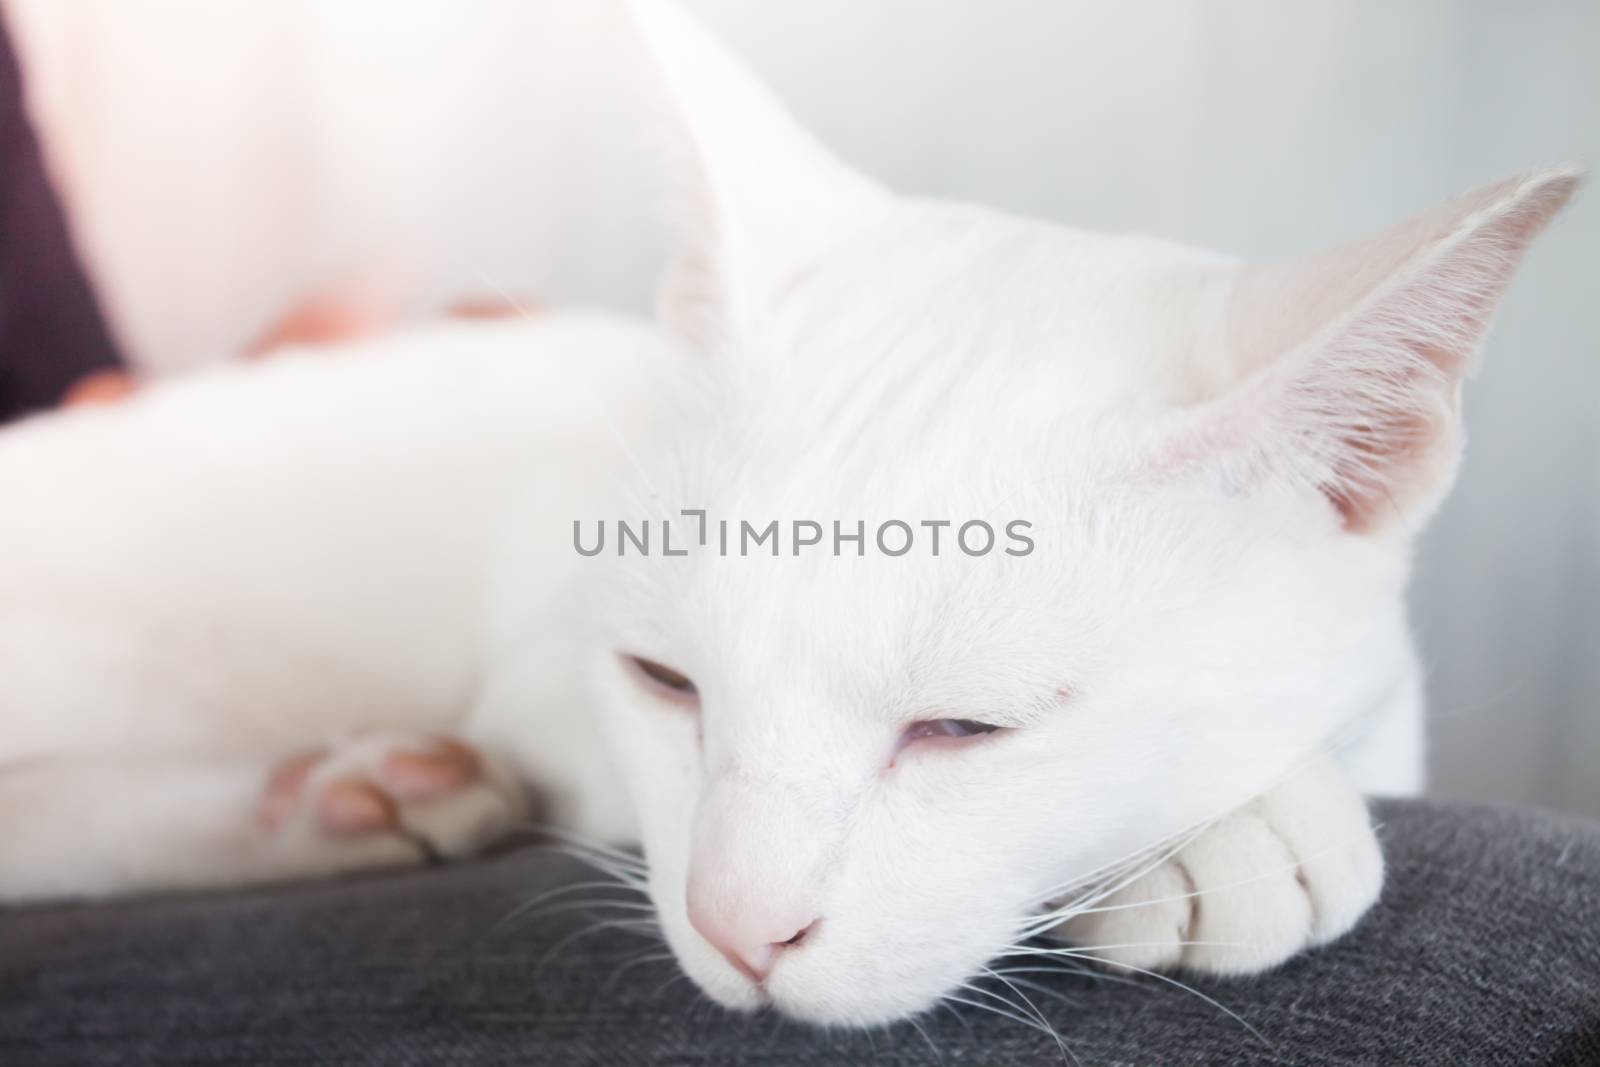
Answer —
663 680
952 729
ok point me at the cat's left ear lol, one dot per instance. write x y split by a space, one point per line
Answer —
1348 365
767 199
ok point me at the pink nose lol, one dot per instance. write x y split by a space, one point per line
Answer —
751 942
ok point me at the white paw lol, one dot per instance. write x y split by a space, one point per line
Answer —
442 797
1293 869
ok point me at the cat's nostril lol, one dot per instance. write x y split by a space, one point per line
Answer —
757 963
752 939
799 936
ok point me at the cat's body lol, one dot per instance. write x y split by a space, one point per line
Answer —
263 559
857 776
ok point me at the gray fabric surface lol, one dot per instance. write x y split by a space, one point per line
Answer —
1484 950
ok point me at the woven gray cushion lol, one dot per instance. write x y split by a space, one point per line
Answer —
1484 950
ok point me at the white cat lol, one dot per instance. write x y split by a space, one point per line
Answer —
243 616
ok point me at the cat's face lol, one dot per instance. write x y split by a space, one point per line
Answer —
1162 650
858 775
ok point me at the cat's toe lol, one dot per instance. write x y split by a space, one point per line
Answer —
1327 827
284 793
442 767
1229 903
355 806
1343 886
1296 868
440 793
1251 909
1279 882
453 796
1144 925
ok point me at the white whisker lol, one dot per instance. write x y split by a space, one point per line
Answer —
1118 881
1066 1052
1295 865
1235 1016
1002 1012
559 891
1033 950
1059 966
926 1039
629 925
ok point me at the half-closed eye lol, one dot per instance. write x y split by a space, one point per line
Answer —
946 729
662 680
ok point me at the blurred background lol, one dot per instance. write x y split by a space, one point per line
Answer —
220 160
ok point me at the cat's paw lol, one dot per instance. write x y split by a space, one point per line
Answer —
1296 868
444 796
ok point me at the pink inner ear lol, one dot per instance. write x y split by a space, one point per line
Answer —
1398 447
1459 308
1381 463
1341 371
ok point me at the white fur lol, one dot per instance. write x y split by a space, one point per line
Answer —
257 560
229 569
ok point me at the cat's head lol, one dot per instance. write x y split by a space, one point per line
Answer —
858 774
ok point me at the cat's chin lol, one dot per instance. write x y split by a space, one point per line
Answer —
868 972
824 999
811 998
845 1004
841 1007
743 996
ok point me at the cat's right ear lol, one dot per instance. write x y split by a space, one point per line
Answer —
1349 363
766 199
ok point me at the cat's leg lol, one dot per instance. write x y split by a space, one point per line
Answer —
1385 755
101 825
1295 868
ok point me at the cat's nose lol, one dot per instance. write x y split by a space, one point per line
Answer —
750 939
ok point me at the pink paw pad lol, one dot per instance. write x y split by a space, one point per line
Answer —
366 799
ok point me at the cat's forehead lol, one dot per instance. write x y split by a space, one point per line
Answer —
971 299
952 369
878 638
948 362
